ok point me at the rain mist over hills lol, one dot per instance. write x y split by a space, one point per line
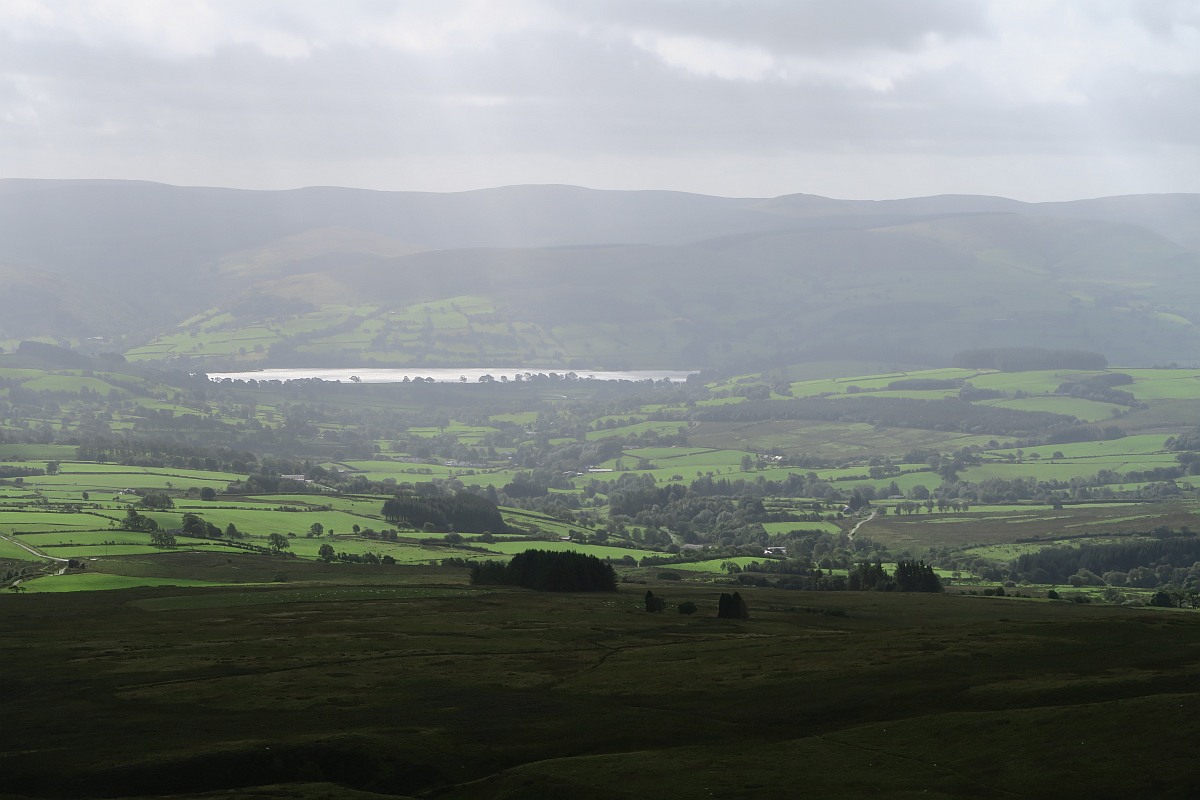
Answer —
561 276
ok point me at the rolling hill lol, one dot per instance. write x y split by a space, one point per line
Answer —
560 276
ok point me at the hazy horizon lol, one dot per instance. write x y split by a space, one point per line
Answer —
498 187
1033 101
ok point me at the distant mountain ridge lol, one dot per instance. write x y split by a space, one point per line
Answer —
562 276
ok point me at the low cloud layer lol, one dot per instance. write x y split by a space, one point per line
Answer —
1033 99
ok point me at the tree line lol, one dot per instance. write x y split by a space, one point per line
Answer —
461 512
548 571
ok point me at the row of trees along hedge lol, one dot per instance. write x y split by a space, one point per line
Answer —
548 571
461 512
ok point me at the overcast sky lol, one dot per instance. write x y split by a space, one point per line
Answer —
1031 99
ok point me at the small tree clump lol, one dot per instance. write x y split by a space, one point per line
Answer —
732 607
654 604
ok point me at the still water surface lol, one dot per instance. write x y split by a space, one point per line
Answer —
381 375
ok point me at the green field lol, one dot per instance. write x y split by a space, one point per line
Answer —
1050 470
10 550
84 537
19 522
85 582
787 527
600 551
1126 445
714 449
637 429
1085 410
716 565
1164 384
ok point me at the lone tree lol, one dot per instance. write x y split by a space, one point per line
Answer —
654 604
732 607
278 542
134 521
326 552
193 525
161 538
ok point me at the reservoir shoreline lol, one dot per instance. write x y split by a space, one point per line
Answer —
446 375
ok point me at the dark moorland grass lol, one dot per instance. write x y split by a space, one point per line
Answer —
419 685
917 532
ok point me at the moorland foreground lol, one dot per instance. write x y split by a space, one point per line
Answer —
423 686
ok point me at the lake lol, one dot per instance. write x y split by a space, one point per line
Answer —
382 375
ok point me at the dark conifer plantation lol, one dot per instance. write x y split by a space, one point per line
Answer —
462 512
548 571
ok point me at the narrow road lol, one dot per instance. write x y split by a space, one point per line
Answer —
31 550
34 551
862 522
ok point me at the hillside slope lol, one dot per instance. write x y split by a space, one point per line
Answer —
563 276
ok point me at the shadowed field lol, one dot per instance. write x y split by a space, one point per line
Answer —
425 686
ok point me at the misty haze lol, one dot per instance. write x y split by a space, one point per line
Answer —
539 399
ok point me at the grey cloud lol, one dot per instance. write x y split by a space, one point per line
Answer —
799 26
1165 18
580 90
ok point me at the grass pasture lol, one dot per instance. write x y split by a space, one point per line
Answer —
13 551
36 452
638 428
1142 444
716 565
1085 410
404 551
84 537
22 522
775 528
826 439
104 481
600 551
95 582
1065 470
1163 384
